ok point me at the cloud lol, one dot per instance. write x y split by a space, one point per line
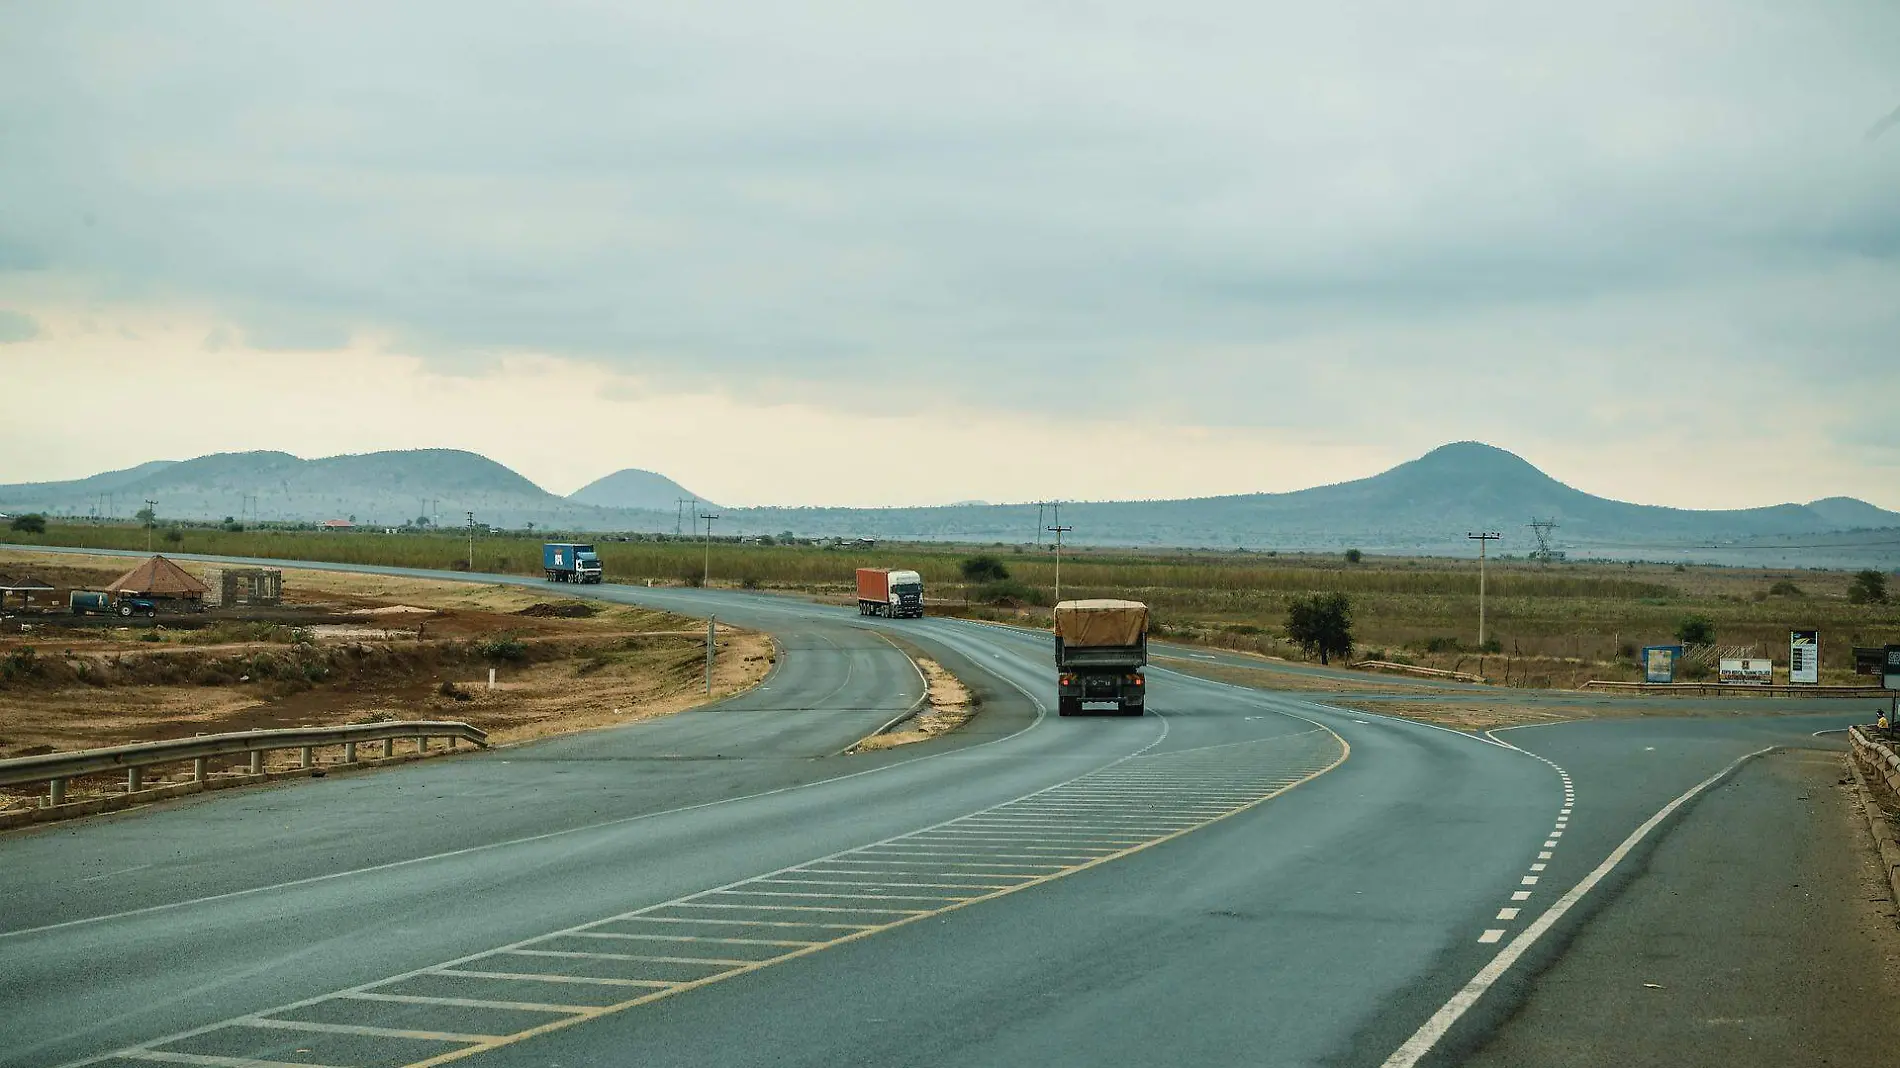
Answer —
15 326
1377 224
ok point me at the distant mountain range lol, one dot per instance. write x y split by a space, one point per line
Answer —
634 488
1425 505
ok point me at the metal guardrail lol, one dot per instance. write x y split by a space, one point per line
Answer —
1708 689
1421 671
55 769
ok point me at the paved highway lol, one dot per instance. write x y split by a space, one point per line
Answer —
1239 877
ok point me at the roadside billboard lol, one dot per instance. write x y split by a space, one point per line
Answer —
1749 672
1659 663
1804 657
1891 677
1870 660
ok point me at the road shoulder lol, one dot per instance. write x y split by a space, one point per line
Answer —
1759 932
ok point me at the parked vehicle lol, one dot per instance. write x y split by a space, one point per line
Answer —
88 602
1101 647
884 592
569 561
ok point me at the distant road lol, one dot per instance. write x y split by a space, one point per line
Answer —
1241 877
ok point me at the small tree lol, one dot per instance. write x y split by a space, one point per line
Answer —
1353 556
173 537
1321 624
30 523
146 516
1696 630
984 569
1868 587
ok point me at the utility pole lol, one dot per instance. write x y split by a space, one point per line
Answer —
712 633
151 520
1040 506
706 577
1483 539
1058 530
471 541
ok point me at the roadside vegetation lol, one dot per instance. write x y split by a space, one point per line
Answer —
346 648
1549 625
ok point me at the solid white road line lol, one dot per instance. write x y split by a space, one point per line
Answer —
1428 1035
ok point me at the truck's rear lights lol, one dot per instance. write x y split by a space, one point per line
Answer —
1136 679
1068 680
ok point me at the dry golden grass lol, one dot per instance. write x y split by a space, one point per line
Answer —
949 706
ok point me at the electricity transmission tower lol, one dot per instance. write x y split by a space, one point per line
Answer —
679 513
1540 529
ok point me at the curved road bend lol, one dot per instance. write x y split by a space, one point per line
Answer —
1217 883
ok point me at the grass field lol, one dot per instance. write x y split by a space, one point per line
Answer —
1558 625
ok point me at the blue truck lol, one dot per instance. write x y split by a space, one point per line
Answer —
570 561
89 602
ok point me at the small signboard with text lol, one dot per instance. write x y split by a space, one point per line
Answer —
1891 677
1659 663
1870 660
1749 672
1804 657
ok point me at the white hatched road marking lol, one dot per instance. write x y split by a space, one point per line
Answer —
1052 833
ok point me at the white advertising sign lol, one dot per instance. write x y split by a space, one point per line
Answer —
1747 672
1804 657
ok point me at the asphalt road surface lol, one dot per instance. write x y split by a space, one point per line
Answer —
1240 877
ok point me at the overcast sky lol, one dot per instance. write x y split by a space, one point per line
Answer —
875 253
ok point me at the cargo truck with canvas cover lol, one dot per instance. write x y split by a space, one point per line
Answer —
568 561
884 592
1101 647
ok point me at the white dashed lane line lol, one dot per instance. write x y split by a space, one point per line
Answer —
1544 855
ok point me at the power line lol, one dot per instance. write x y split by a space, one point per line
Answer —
1058 530
1483 539
706 577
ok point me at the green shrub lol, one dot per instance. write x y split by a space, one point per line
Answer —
1785 588
1321 624
30 523
1696 630
504 647
985 569
1869 587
